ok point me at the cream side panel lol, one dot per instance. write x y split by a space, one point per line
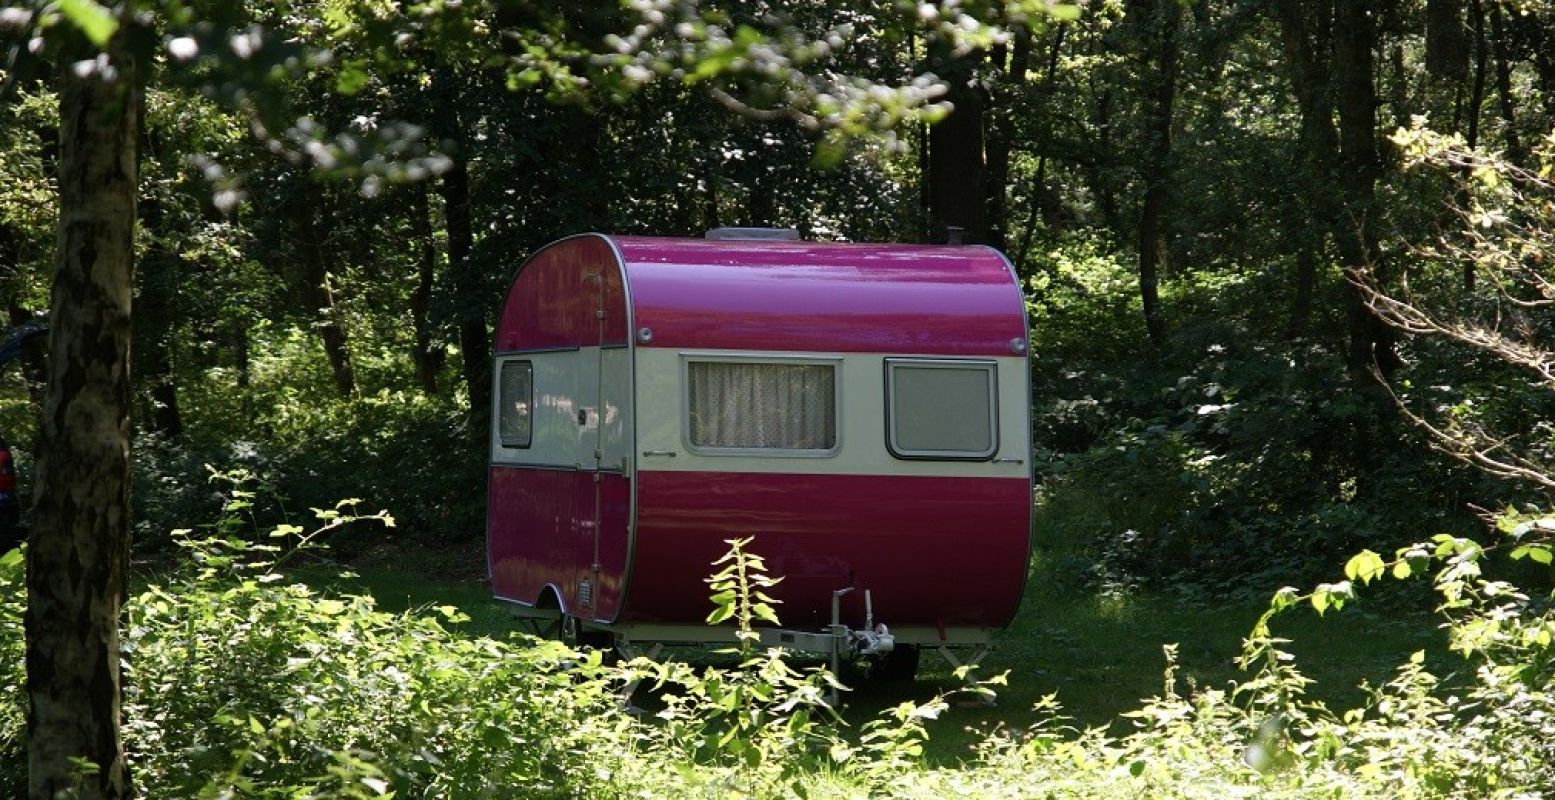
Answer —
554 442
861 422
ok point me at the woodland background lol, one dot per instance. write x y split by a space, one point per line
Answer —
1286 262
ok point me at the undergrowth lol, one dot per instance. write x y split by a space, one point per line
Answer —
244 683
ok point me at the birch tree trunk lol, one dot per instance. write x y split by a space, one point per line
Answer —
77 558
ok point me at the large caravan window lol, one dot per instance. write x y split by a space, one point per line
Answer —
941 409
737 406
517 397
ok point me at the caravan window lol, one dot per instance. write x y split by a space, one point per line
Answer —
761 406
517 402
941 408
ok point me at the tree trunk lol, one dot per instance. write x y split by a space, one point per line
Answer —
1477 88
1001 136
1498 32
1304 40
155 323
474 340
1448 50
467 288
1400 94
1096 176
80 545
428 356
1371 340
1535 24
156 319
924 205
318 296
1446 40
956 169
1475 108
1160 21
1301 299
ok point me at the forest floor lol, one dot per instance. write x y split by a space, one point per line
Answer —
1100 653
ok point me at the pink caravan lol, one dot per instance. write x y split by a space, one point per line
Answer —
862 410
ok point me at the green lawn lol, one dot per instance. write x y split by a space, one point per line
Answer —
1100 654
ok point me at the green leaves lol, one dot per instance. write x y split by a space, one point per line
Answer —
1539 553
1332 595
1364 566
94 21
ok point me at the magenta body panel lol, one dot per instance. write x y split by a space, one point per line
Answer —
933 551
824 297
610 511
541 534
548 306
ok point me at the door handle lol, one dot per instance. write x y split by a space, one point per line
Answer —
670 453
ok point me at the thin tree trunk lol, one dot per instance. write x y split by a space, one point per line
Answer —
154 330
318 297
80 545
1498 32
428 356
1304 39
924 205
1001 137
474 340
922 129
1106 200
1301 300
1477 88
468 293
1161 22
1476 106
156 320
1400 98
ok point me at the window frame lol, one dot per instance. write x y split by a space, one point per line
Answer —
502 440
988 366
687 359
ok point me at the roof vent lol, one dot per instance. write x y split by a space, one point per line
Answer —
755 234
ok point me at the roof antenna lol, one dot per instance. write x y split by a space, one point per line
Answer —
953 234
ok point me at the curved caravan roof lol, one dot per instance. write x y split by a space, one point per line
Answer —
796 296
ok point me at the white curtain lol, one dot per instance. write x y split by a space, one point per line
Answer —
770 406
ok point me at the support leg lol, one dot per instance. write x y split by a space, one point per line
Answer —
628 652
969 664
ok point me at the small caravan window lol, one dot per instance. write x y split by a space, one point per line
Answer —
739 406
517 398
941 409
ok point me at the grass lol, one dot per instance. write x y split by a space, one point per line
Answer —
1099 653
